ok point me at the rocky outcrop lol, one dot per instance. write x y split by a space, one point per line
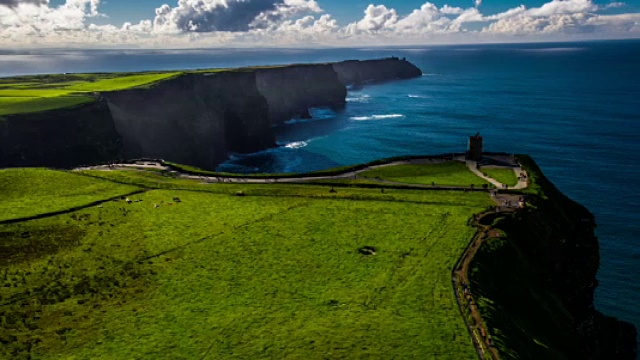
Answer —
59 138
356 72
537 283
196 119
291 91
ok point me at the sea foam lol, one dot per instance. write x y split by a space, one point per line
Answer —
377 117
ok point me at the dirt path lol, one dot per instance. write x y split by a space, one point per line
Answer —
468 306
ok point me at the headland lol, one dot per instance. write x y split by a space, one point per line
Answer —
421 256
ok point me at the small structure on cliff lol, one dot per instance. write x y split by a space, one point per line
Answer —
475 147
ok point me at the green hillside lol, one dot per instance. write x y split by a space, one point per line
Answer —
28 94
193 270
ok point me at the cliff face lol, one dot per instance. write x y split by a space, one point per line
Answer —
59 138
291 91
537 284
195 119
360 72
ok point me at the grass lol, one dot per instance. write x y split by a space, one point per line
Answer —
31 94
272 274
24 105
449 173
31 192
503 175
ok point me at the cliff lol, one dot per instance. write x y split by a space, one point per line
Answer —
59 138
535 284
356 72
291 91
196 119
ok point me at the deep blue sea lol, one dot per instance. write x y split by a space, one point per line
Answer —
575 107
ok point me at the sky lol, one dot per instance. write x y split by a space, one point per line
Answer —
308 23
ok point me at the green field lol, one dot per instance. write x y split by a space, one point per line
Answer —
503 175
276 273
451 173
28 94
31 192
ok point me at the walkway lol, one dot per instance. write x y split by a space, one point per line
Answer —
468 306
522 182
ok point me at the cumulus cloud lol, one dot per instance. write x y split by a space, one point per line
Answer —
228 15
215 23
14 3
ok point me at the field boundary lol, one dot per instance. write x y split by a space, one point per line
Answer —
70 210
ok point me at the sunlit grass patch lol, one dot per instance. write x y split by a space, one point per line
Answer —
447 173
504 175
276 273
30 192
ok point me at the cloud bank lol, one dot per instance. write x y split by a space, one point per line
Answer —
219 23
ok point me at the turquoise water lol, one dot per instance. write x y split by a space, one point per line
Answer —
575 107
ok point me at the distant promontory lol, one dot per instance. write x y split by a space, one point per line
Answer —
196 118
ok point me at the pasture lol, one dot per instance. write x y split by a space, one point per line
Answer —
29 94
192 270
450 173
504 175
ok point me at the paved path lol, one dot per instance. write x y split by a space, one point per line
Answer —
522 183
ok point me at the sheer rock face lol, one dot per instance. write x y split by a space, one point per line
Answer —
291 91
60 138
194 119
566 256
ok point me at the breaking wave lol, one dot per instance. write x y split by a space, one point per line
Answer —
377 117
363 98
296 145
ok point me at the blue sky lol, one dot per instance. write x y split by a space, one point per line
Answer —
308 23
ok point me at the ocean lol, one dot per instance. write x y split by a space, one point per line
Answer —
575 107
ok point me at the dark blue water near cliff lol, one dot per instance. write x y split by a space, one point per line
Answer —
575 107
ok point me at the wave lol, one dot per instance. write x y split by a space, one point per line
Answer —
377 117
414 96
296 145
554 49
364 98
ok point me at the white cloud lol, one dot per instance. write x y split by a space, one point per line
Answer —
375 19
228 15
214 23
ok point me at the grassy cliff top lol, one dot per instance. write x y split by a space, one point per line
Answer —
36 93
28 94
191 270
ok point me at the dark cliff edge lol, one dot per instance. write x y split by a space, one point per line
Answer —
59 138
535 284
195 119
354 72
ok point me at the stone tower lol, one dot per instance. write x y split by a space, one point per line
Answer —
475 148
